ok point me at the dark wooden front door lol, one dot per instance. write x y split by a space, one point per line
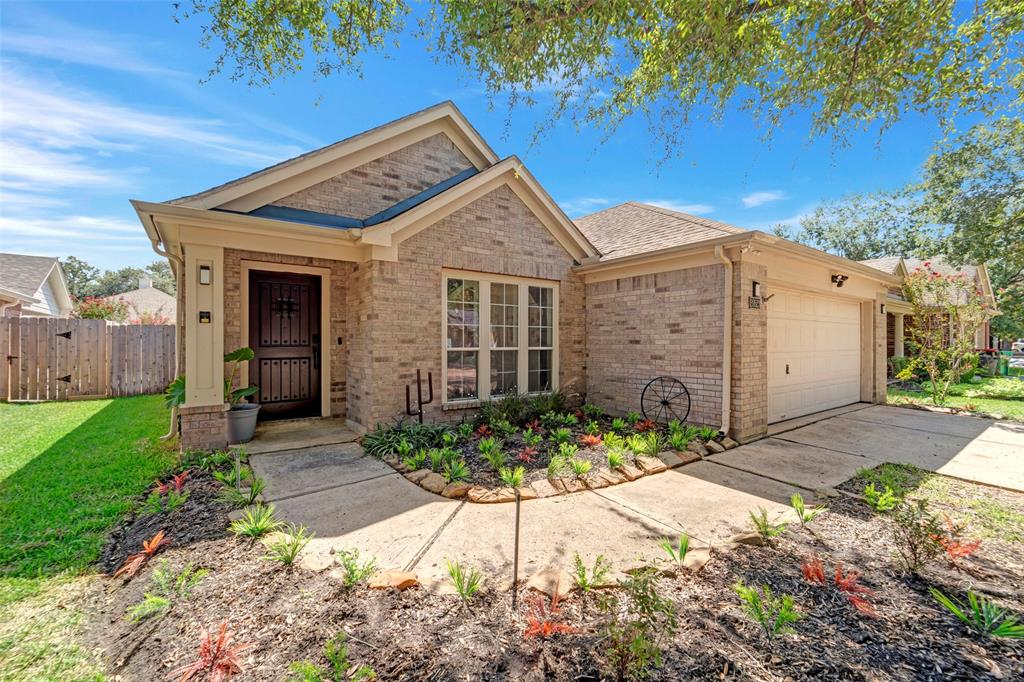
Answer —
284 333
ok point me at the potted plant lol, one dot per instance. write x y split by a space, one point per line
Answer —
241 415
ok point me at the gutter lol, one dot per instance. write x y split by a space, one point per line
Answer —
726 341
178 267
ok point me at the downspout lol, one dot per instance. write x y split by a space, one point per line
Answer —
179 336
726 341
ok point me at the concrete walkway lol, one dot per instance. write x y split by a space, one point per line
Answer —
353 501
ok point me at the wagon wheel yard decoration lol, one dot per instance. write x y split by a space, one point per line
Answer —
664 399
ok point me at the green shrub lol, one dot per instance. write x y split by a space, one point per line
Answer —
880 501
595 577
916 534
354 571
456 472
166 587
636 626
676 552
466 582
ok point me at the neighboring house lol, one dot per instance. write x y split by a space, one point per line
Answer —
898 311
148 304
33 286
413 246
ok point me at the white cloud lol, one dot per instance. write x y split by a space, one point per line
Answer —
52 115
74 45
72 226
673 205
578 206
761 198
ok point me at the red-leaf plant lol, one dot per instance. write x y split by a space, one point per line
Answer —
534 425
178 481
645 425
483 431
955 547
135 562
589 441
160 488
528 455
217 661
544 622
813 570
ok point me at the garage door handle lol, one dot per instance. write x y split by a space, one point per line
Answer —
787 368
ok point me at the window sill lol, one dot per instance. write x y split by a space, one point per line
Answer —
456 405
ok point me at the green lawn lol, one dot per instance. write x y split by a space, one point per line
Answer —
68 472
992 395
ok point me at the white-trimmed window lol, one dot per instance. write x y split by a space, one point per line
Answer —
500 336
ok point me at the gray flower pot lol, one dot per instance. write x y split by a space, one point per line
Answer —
242 422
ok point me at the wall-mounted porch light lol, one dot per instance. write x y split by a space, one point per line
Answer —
883 309
204 274
755 290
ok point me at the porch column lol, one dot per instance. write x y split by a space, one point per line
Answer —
203 420
898 334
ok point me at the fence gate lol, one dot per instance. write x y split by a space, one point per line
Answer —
65 359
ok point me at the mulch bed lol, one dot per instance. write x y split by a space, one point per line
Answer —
288 614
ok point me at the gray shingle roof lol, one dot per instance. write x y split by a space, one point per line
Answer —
24 274
937 263
149 300
633 228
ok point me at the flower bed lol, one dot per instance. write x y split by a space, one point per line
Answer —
518 445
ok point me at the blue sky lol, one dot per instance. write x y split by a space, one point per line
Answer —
103 102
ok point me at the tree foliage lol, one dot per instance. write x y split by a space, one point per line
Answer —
862 226
851 65
85 280
973 192
968 206
948 311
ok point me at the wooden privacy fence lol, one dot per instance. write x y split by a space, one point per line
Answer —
64 359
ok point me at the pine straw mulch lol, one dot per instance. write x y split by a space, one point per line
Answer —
288 614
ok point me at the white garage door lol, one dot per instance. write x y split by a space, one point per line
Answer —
813 354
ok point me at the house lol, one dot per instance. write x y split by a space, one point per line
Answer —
898 311
413 246
33 286
147 304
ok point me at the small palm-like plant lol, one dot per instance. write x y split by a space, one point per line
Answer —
803 513
616 459
648 443
580 467
775 614
678 441
765 528
561 435
513 478
285 546
531 438
256 521
456 472
466 582
567 450
676 551
618 425
706 433
556 465
981 615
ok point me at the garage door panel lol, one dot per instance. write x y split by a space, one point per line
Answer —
813 354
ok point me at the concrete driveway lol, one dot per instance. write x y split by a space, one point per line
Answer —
350 500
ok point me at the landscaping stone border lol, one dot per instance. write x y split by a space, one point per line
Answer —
602 477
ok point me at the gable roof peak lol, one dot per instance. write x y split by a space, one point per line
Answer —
251 191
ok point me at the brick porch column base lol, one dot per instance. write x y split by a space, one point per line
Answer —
203 427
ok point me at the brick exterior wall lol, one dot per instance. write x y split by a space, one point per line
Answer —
642 327
382 183
749 400
890 335
203 428
398 311
341 274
